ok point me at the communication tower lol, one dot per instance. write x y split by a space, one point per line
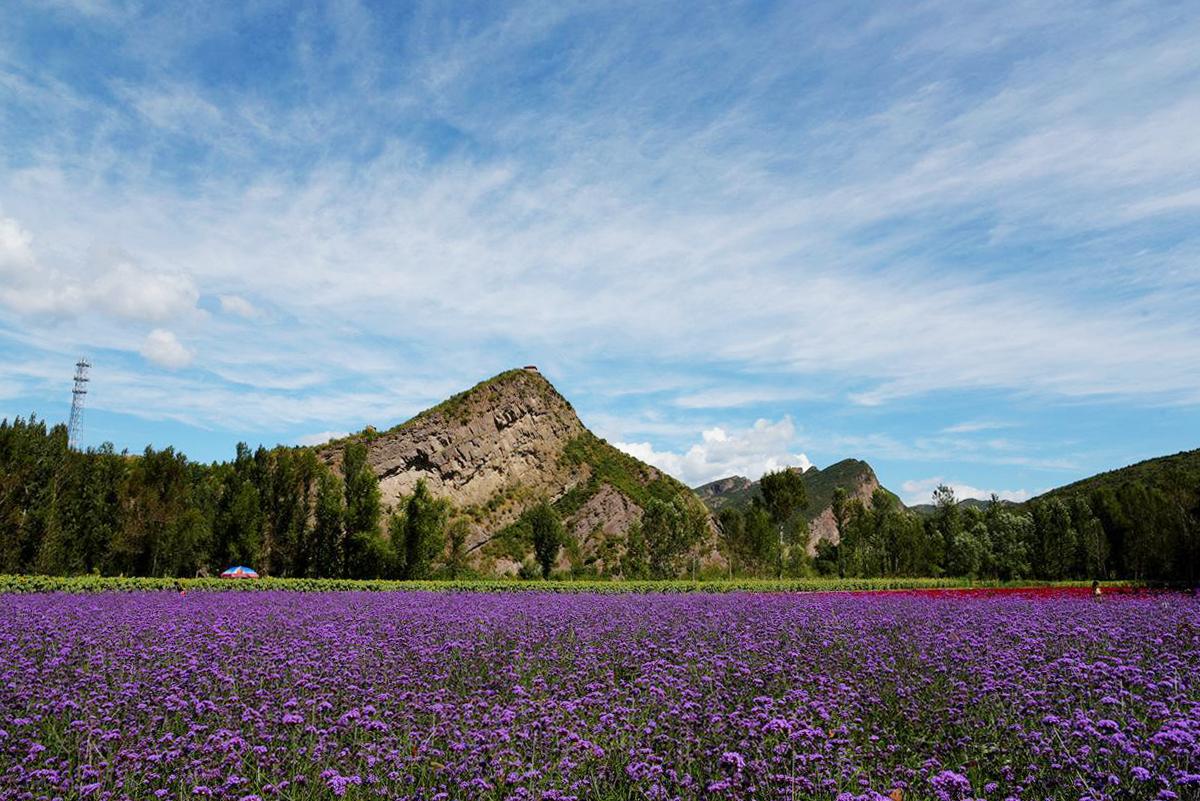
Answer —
77 395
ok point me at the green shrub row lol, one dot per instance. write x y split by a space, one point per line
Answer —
81 584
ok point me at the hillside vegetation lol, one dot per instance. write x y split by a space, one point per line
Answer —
1140 522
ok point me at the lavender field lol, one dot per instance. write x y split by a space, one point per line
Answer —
542 696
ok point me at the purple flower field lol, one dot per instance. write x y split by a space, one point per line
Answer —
538 696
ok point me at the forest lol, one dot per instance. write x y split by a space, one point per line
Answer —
283 511
1131 530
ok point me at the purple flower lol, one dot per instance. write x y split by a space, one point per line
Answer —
428 695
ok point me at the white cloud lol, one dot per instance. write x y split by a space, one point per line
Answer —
130 292
918 491
16 247
111 284
239 306
321 437
972 426
164 349
721 453
27 286
729 398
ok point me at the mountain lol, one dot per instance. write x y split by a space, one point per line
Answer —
734 491
927 509
855 475
1177 473
499 448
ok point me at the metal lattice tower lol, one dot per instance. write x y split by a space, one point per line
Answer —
77 396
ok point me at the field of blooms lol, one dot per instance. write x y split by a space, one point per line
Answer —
936 695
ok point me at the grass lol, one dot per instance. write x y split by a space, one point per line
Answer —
86 584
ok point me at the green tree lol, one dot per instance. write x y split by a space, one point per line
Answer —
854 544
1091 557
1056 541
966 553
363 508
731 529
783 495
424 531
548 536
887 530
299 550
840 505
946 528
158 492
323 553
671 530
635 561
32 456
456 546
1009 538
761 541
237 522
285 513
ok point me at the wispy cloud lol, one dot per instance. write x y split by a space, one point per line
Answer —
237 305
320 438
973 426
877 207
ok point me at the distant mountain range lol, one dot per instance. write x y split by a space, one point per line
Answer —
1180 471
855 475
926 509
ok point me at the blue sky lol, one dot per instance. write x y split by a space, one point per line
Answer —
956 239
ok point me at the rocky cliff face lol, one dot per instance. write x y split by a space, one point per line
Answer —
505 433
860 482
721 491
501 447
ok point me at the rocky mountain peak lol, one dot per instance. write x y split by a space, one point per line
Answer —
500 433
723 486
503 446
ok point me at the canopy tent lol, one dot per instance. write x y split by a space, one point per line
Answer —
241 571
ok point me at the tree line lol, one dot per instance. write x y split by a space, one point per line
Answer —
286 513
281 510
1126 530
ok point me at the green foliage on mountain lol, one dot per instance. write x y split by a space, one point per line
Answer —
1142 521
1176 474
634 478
